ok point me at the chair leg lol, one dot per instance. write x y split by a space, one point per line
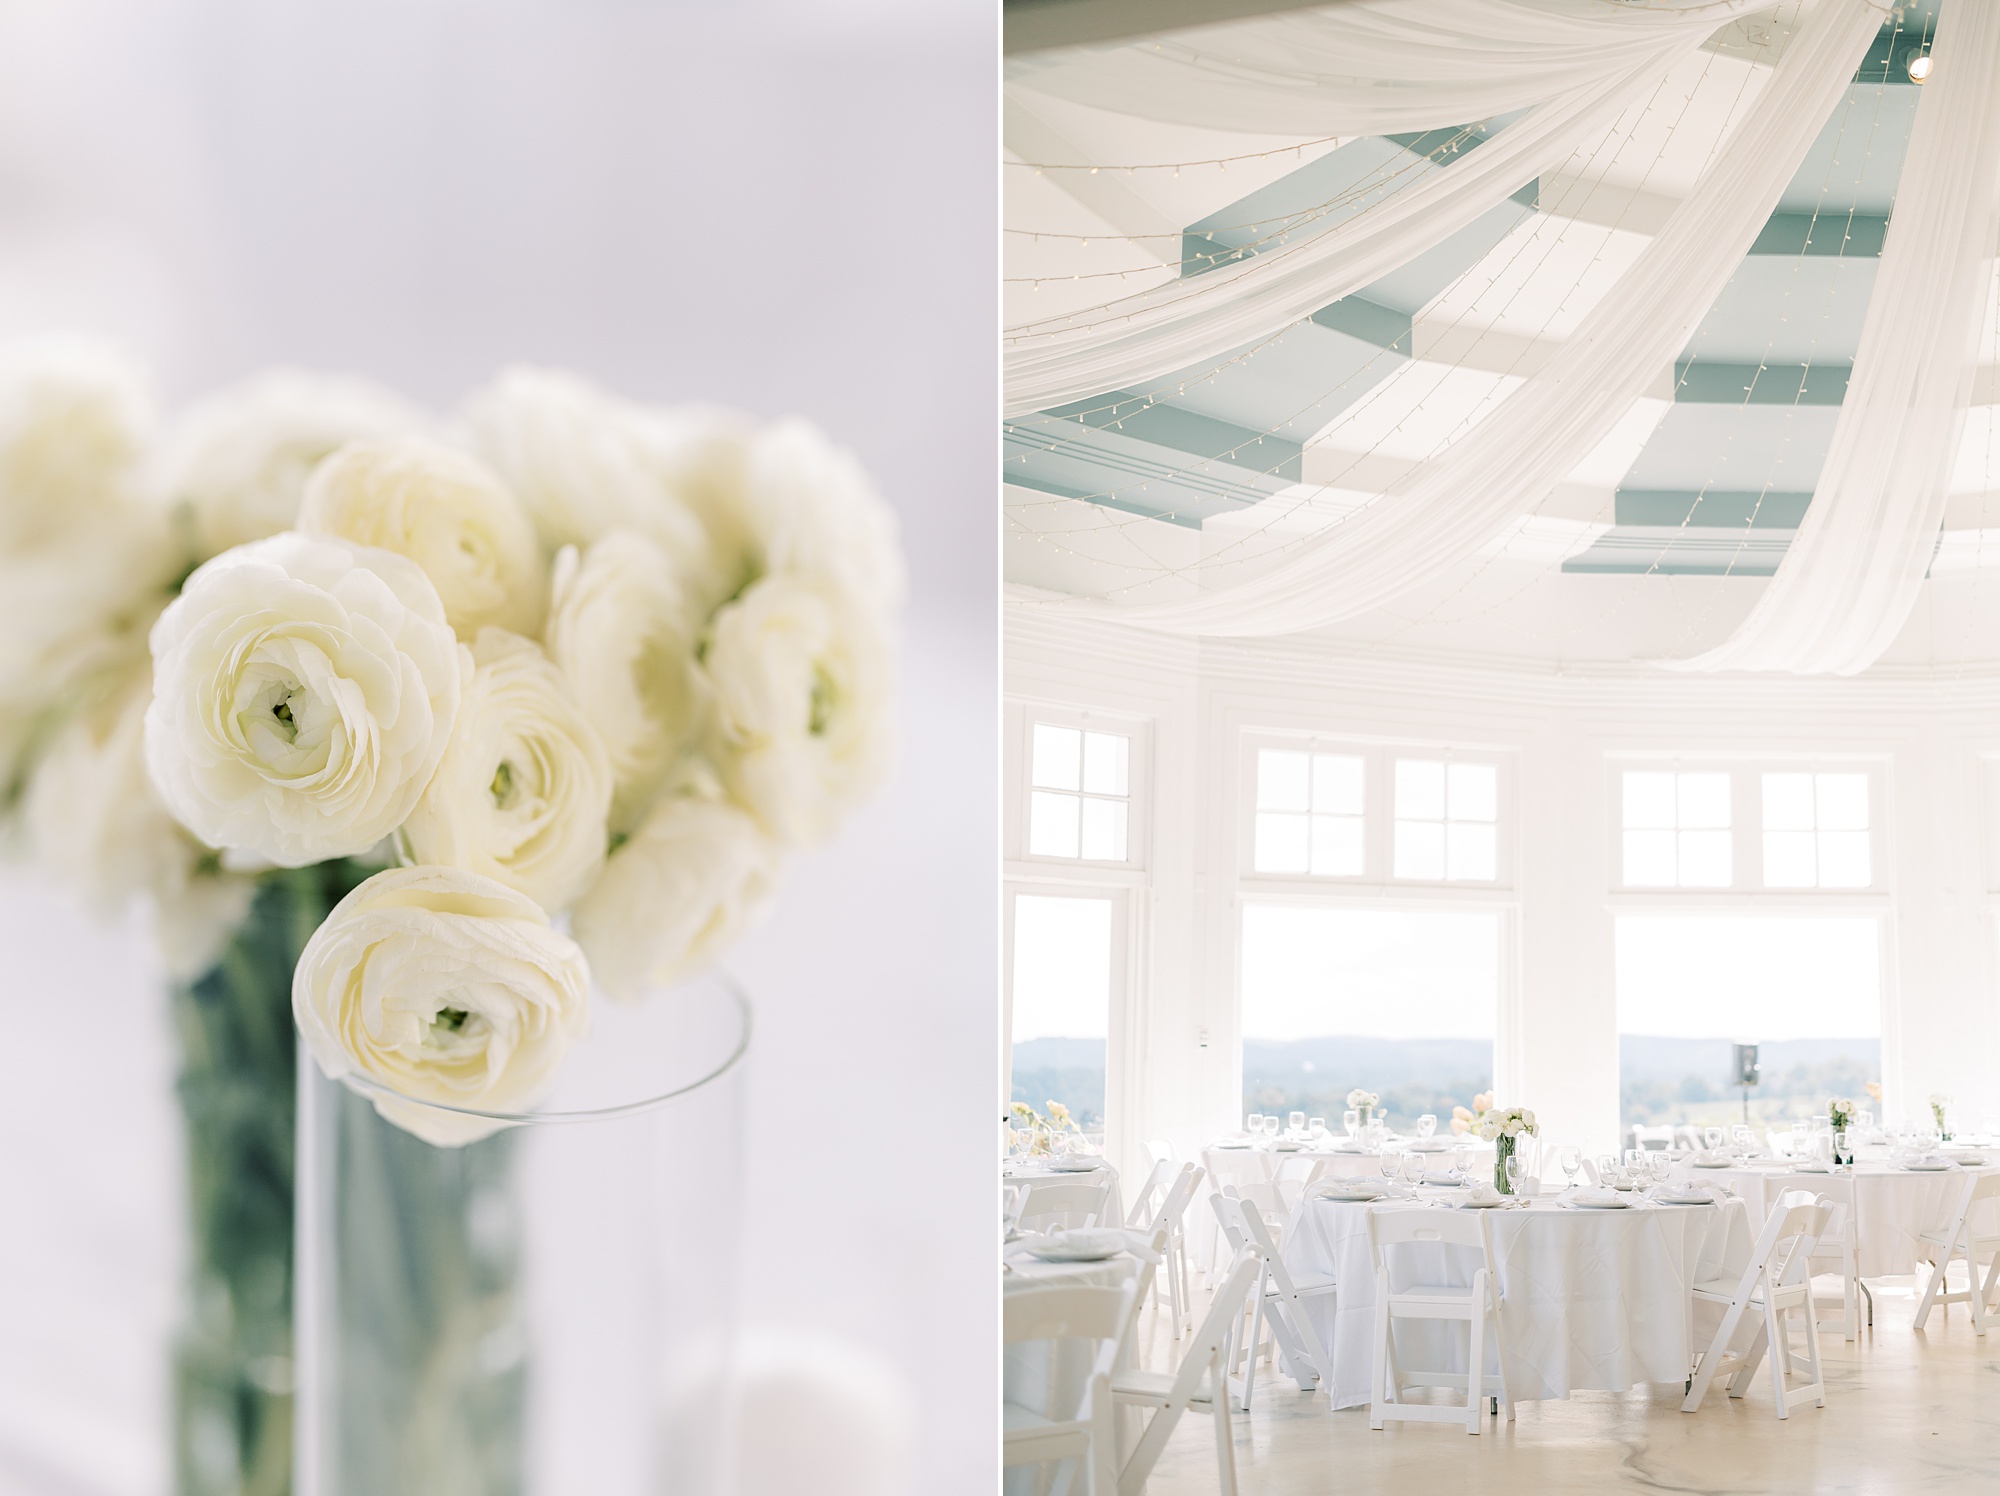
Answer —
1225 1449
1780 1349
1475 1359
1718 1348
1753 1357
1500 1354
1975 1294
1812 1357
1383 1366
1932 1290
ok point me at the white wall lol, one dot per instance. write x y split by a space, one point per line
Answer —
1558 1050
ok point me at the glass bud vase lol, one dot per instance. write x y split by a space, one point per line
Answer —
547 1309
1503 1149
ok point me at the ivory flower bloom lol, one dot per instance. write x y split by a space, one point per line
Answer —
96 824
303 693
583 461
621 632
804 706
691 880
443 987
236 464
447 513
524 788
75 421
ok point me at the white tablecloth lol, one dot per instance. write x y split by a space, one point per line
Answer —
1888 1206
1013 1175
1590 1299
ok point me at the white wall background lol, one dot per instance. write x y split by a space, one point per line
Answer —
785 206
1933 731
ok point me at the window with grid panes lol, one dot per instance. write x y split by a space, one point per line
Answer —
1310 813
1676 829
1447 821
1816 831
1079 798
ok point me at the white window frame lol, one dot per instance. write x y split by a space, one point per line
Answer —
1746 887
1378 818
1021 717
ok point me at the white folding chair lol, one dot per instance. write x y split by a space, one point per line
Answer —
1201 1380
1089 1435
1837 1251
1160 1150
1277 1304
1959 1238
1774 1285
1139 1210
1232 1170
1474 1304
1171 1218
1059 1204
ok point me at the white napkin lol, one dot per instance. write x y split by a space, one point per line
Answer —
1483 1194
1596 1194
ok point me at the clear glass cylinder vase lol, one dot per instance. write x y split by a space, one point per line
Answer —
546 1310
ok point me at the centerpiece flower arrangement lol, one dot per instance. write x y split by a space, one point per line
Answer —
1504 1127
1365 1103
1041 1134
1940 1105
415 732
1464 1121
1840 1113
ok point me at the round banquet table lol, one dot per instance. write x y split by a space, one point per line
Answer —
1014 1173
1590 1299
1889 1206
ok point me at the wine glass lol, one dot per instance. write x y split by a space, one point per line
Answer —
1296 1122
1316 1130
1742 1137
1413 1169
1513 1173
1427 1124
1661 1166
1389 1163
1571 1160
1635 1160
1254 1123
1713 1137
1607 1168
1273 1126
1351 1120
1843 1144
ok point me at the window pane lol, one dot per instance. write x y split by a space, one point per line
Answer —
1401 1002
1843 859
1057 757
1475 792
1649 800
1062 1003
1788 802
1336 846
1420 847
1843 801
1281 780
1472 851
1649 857
1336 784
1704 859
1281 843
1104 829
1420 791
1104 763
1788 858
1704 799
1052 825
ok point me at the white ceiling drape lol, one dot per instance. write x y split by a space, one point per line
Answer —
1191 320
1373 67
1452 505
1852 573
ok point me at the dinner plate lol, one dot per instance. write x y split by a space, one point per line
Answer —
1924 1168
1077 1165
1350 1197
1079 1246
1599 1204
1682 1200
1499 1204
1230 1145
1719 1164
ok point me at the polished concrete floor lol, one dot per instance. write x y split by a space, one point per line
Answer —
1906 1412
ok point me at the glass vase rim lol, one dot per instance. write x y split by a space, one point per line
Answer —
374 1090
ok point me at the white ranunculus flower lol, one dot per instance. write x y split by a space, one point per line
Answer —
446 512
804 705
75 423
817 517
303 693
621 631
442 987
236 464
524 789
584 461
96 824
691 880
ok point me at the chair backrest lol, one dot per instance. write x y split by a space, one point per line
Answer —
1224 1203
1012 1198
1213 1331
1066 1200
1067 1311
1174 1203
1790 1232
1457 1228
1160 1150
1139 1210
1657 1138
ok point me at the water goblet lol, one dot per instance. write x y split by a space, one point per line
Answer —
1843 1143
1571 1160
1742 1137
1635 1160
1316 1130
1427 1124
1351 1120
1713 1137
1389 1163
1254 1123
1607 1168
1295 1122
1513 1173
